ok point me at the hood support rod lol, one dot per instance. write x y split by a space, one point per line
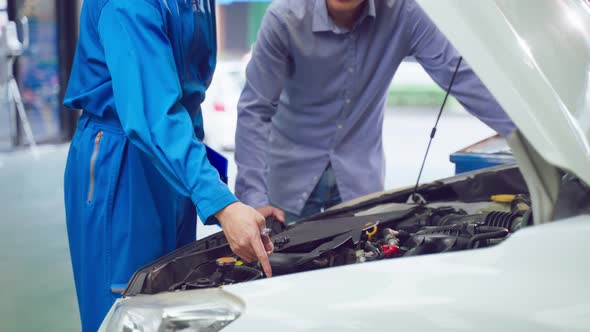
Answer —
415 197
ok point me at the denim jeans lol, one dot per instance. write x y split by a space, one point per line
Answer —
324 195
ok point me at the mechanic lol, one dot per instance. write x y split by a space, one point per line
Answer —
310 117
137 172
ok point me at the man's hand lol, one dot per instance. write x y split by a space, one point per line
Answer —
270 211
242 226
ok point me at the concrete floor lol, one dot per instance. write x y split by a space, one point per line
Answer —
36 286
36 279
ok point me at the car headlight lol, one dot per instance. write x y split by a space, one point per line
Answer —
207 310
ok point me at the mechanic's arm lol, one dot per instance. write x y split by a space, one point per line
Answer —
147 92
439 58
265 77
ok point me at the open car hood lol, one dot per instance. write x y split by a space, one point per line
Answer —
534 56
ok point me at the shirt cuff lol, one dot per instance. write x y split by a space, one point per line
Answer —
206 209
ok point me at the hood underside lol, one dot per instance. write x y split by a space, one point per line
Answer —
534 56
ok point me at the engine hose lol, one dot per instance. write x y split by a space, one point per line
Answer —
508 220
451 230
490 233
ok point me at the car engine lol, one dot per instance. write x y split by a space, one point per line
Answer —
390 235
462 214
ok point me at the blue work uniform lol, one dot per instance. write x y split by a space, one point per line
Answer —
137 167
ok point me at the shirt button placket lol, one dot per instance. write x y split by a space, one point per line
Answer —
351 70
350 57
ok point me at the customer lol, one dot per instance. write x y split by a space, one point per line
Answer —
310 118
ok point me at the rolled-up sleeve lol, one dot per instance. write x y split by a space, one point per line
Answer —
265 76
439 58
147 92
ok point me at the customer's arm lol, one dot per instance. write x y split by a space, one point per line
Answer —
439 58
265 76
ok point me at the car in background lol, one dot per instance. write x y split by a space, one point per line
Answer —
220 107
492 250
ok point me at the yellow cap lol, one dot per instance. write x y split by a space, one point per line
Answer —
226 261
503 198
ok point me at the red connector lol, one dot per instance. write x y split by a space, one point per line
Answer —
389 250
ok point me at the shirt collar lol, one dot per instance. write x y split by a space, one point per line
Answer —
322 21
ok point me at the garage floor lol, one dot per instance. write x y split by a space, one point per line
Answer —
36 284
36 278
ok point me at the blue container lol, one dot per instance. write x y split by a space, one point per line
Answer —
493 151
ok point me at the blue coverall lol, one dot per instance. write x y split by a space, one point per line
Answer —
137 167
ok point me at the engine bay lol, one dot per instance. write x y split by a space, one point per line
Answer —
460 213
403 232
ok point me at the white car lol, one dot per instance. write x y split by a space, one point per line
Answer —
493 250
220 107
